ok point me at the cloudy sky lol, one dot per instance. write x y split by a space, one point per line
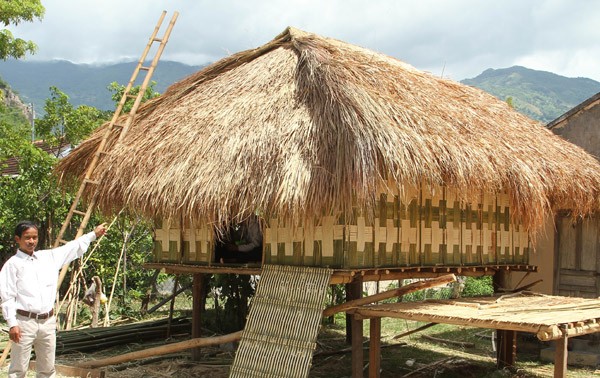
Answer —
454 38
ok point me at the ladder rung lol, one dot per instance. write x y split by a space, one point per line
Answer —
117 126
144 68
79 212
157 39
62 241
88 181
99 153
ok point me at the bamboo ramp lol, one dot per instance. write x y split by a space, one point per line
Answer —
281 331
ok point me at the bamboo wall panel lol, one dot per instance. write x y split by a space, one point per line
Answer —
198 243
193 244
453 231
426 226
416 227
167 236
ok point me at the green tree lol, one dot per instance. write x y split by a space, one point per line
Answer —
63 123
117 91
510 102
14 12
32 194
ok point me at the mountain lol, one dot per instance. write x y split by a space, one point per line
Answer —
83 83
540 95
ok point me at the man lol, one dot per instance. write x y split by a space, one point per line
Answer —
28 283
242 244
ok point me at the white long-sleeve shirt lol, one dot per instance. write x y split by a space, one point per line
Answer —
29 282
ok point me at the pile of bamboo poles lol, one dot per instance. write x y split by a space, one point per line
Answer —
93 339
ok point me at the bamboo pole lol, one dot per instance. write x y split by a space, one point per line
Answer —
165 349
421 328
87 256
96 308
462 344
415 286
114 285
5 353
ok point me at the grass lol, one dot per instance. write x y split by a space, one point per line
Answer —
415 352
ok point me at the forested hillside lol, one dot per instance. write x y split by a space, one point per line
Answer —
84 84
540 95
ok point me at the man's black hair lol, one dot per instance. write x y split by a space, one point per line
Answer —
24 226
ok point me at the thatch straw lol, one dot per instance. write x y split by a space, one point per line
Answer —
305 126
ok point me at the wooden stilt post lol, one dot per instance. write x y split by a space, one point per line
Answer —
353 291
374 347
507 348
357 346
561 355
198 283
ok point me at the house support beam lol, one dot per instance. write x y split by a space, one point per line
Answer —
353 292
197 293
357 346
561 355
374 347
507 348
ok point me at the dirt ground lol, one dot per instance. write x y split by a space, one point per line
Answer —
412 356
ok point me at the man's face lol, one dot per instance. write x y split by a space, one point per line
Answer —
28 240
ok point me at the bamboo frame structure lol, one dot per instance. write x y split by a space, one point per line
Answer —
548 317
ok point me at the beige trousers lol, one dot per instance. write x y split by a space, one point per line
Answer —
41 335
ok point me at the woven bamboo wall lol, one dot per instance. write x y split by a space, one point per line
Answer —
192 245
420 227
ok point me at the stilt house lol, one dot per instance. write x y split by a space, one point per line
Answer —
353 160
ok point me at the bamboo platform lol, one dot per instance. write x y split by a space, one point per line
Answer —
543 315
548 317
281 331
343 276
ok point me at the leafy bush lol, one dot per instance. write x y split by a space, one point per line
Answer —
478 286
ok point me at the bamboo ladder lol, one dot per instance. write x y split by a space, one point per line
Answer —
91 176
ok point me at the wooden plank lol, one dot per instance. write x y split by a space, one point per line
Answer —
577 279
374 347
556 272
588 244
567 244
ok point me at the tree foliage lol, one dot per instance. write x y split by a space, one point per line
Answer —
65 124
117 91
35 194
13 13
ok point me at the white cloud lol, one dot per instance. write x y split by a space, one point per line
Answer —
460 37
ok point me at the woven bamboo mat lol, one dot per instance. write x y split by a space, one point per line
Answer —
281 330
540 314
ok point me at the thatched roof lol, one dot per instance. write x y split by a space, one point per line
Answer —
305 125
